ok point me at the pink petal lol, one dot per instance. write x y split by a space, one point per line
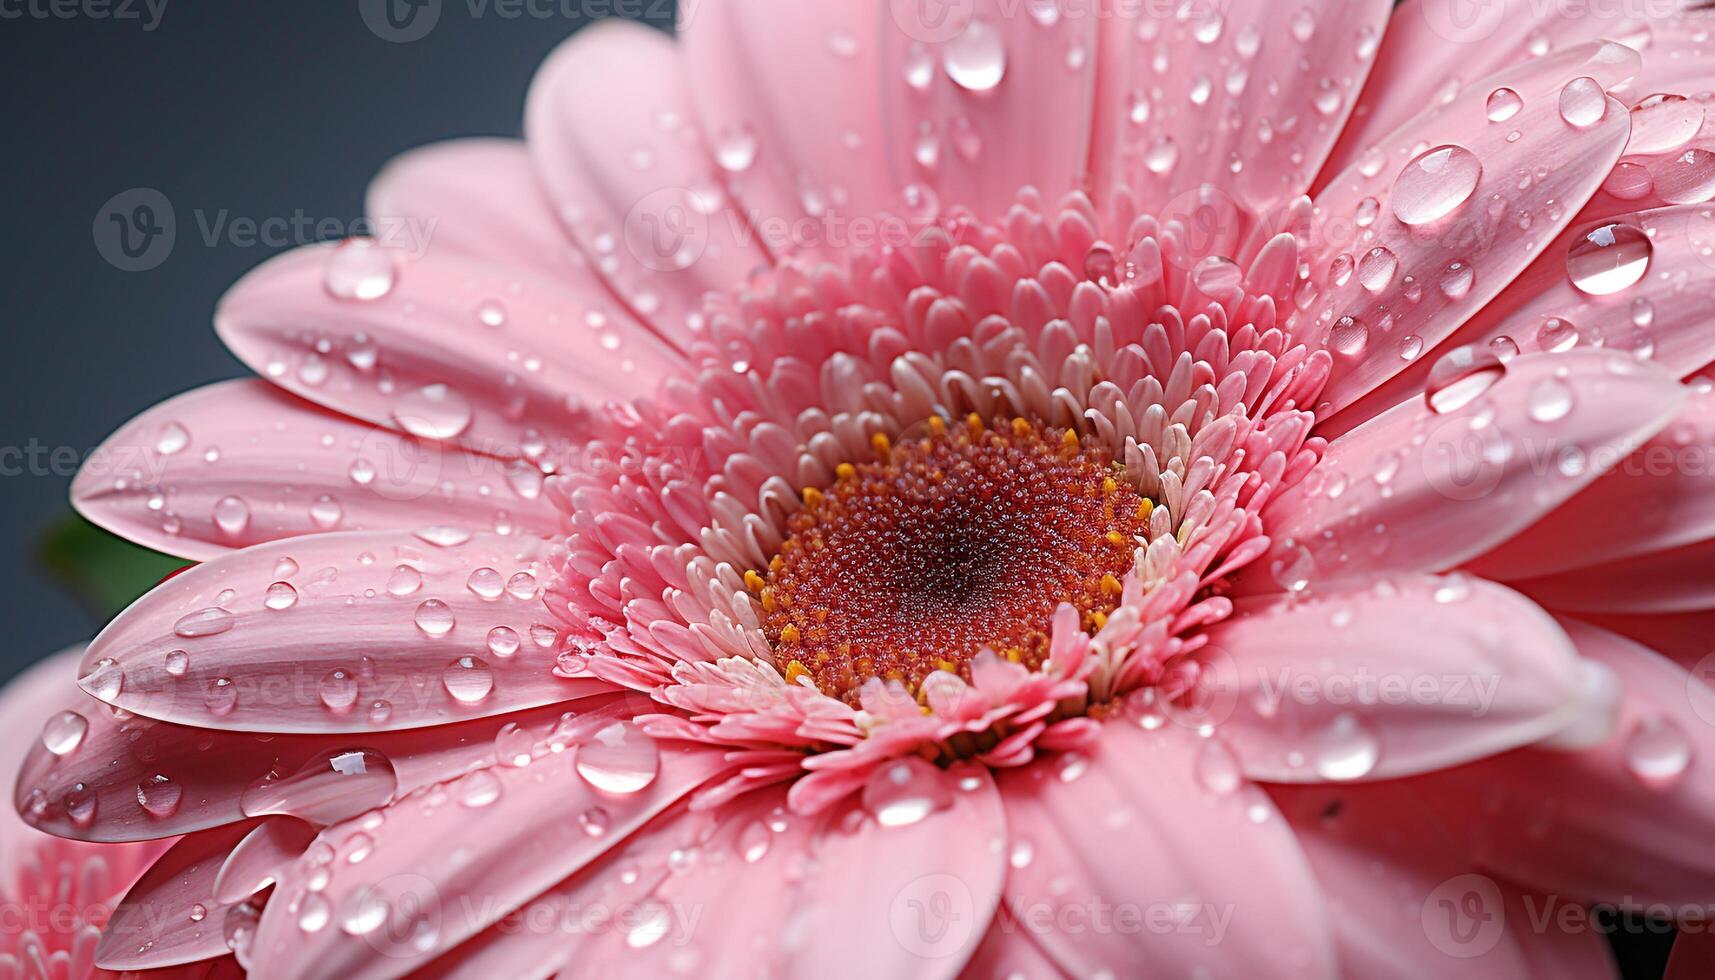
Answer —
442 866
1266 84
1662 496
1432 44
783 159
91 792
1410 675
1693 956
475 198
1008 951
1661 318
1399 893
1663 582
170 916
972 138
425 629
1627 820
1381 294
1417 489
632 177
1129 828
456 350
242 462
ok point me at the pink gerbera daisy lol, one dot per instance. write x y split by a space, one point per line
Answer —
991 489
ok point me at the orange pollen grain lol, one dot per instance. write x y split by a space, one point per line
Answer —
966 538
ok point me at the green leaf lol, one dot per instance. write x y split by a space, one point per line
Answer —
103 571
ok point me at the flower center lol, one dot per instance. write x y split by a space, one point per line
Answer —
964 539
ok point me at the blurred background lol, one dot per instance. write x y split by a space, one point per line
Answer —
242 117
245 117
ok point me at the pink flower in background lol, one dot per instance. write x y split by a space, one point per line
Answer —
969 489
55 895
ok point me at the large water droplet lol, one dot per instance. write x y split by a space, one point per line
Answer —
1549 400
1434 184
904 792
1662 123
1583 103
336 786
1504 104
337 690
976 59
478 789
1346 749
64 732
1688 178
735 149
1349 336
231 516
359 269
1609 259
280 595
433 411
619 759
208 621
1460 376
159 796
486 582
1376 269
434 617
468 680
1657 752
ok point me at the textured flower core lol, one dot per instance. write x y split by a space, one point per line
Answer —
963 539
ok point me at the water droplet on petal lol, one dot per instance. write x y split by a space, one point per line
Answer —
1346 749
1461 376
1556 334
204 622
1504 104
486 582
620 759
433 411
1583 103
64 732
220 697
173 438
754 841
1217 769
159 796
1688 178
1457 280
1662 123
1658 752
1349 336
178 662
337 690
468 680
478 789
1376 269
231 516
976 59
434 617
905 791
1609 259
280 595
735 149
336 786
1435 184
359 269
1549 400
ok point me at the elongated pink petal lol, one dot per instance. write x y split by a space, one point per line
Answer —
242 462
133 778
981 99
1436 49
1661 582
477 198
171 917
783 158
1249 96
1397 887
446 348
361 631
1660 317
1425 229
633 178
1662 496
1410 675
1623 821
1431 484
1127 828
413 895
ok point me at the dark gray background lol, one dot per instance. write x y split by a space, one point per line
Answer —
264 109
